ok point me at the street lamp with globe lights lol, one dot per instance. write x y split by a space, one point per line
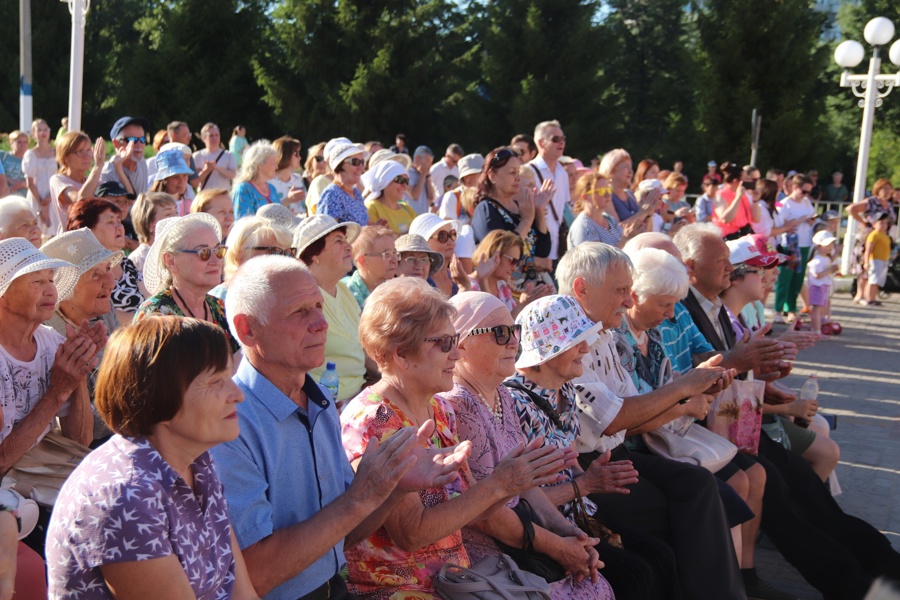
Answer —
871 88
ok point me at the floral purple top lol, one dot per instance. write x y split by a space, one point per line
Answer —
125 503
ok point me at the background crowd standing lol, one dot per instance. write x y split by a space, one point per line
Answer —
512 335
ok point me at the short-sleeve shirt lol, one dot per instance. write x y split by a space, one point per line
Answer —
600 393
164 303
791 209
24 383
881 245
12 167
124 503
398 219
682 339
284 467
41 170
420 204
59 216
357 287
342 345
378 567
139 178
226 161
337 203
247 199
585 229
818 270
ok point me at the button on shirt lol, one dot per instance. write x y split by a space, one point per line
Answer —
283 468
559 200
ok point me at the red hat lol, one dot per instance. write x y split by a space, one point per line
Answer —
764 246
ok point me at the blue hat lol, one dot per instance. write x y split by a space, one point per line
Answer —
125 122
169 163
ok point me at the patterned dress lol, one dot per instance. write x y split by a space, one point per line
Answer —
124 503
164 303
492 439
378 568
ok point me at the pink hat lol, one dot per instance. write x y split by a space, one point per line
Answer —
764 246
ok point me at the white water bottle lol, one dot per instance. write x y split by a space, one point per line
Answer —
329 380
809 391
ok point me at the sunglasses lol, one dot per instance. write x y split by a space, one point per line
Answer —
447 341
401 179
412 260
206 253
602 191
136 140
502 157
275 250
513 261
557 138
444 236
320 158
356 162
502 333
386 255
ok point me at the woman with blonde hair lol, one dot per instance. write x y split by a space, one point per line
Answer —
73 182
616 166
39 165
287 180
498 255
251 236
251 186
594 206
217 203
150 208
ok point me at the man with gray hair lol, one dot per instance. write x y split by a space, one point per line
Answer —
444 167
672 501
551 143
293 498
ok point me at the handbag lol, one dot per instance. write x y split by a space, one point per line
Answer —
42 471
497 577
527 557
736 414
590 525
699 446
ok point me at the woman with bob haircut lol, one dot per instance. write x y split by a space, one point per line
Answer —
150 208
144 515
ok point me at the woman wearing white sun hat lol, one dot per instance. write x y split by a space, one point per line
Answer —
342 200
444 236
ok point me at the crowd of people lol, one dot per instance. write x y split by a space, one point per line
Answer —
513 334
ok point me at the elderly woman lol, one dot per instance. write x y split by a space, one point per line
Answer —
90 299
217 166
863 212
496 258
407 329
172 174
323 245
486 416
287 180
595 221
150 208
616 166
386 188
376 261
70 184
155 479
104 219
17 220
252 236
12 163
183 265
417 259
216 202
342 199
39 165
251 186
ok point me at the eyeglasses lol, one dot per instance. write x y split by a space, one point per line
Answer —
356 162
444 236
206 253
447 341
320 158
557 138
412 260
386 255
502 157
513 261
275 250
401 179
603 191
502 333
135 139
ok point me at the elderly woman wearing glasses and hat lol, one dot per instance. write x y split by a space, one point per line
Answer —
342 199
386 187
183 265
172 173
417 259
446 237
323 245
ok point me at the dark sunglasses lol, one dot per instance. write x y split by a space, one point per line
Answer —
136 140
206 253
502 157
444 236
401 179
557 138
356 162
502 333
275 250
447 341
320 158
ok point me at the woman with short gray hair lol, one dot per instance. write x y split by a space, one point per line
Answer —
17 219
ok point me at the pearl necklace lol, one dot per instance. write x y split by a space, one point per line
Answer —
497 409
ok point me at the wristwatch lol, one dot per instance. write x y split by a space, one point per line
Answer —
9 501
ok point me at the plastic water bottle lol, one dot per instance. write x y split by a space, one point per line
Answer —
809 391
329 380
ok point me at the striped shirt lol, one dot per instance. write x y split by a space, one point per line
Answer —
585 229
682 339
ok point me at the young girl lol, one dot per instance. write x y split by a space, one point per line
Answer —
819 274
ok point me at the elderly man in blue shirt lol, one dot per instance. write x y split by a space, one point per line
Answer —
293 498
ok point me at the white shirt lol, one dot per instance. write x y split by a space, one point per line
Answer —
792 209
439 171
819 270
216 179
559 200
711 308
599 394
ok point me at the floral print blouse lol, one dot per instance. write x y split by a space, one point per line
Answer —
164 303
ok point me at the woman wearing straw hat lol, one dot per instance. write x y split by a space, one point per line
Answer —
342 199
384 199
183 265
417 259
251 186
250 237
323 245
171 177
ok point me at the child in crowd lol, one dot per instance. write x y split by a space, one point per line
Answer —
819 276
878 252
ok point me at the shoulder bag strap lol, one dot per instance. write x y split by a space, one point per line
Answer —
538 400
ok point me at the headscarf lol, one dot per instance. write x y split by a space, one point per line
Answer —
472 308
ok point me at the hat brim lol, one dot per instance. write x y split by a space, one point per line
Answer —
764 261
165 174
153 266
352 228
533 358
64 279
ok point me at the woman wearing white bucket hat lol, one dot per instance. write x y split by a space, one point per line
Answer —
342 199
444 236
183 265
385 190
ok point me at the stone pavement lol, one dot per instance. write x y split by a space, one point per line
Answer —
859 381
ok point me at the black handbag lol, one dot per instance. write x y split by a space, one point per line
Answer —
527 557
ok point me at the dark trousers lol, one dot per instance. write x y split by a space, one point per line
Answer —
837 553
678 503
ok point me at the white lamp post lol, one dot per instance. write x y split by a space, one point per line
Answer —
871 88
79 9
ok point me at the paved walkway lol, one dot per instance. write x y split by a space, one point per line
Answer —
859 381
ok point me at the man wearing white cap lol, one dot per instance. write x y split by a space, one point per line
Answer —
42 374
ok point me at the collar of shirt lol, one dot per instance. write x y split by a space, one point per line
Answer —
276 401
149 460
711 308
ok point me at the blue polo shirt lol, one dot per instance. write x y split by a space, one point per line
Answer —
682 339
286 464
